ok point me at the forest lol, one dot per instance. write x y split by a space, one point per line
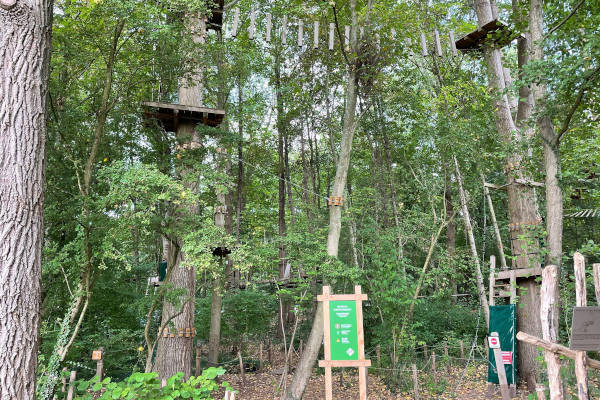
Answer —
187 185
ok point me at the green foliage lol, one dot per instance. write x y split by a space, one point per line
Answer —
147 386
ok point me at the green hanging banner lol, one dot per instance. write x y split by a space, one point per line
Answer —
503 319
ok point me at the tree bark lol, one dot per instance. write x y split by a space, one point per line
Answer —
522 203
313 344
24 64
175 354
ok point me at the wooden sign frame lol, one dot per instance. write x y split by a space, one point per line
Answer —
328 363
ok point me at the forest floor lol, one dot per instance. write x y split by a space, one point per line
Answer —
455 383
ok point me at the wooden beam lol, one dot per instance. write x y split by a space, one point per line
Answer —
519 273
268 28
496 187
554 348
527 182
597 282
344 363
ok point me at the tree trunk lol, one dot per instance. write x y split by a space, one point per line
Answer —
469 228
313 344
450 228
24 60
175 352
522 203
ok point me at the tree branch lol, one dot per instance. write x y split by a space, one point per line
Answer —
565 126
561 23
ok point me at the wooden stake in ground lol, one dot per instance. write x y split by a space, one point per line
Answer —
549 320
540 390
378 354
98 356
462 351
425 353
260 357
415 382
433 367
581 301
72 378
239 354
198 359
447 357
494 343
597 282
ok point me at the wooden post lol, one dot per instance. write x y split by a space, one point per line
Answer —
492 280
501 370
163 382
581 372
452 44
331 36
300 33
513 287
72 378
64 380
378 354
597 282
270 353
327 338
447 357
433 368
540 390
268 28
301 349
549 321
239 354
362 371
424 45
415 381
438 44
284 30
462 351
555 348
100 366
198 359
260 357
316 35
425 352
236 19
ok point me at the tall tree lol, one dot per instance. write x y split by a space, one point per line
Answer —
24 66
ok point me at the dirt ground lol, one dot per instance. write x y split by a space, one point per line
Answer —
456 383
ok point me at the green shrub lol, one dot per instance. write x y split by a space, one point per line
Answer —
147 386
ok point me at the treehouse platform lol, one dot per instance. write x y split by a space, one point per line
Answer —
495 31
171 115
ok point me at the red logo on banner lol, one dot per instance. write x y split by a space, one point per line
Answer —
507 357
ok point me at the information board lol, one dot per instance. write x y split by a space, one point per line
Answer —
343 336
342 325
585 329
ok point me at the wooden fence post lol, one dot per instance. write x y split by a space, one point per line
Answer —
425 352
378 355
581 301
447 357
540 390
72 378
260 357
100 364
462 351
597 282
64 380
198 359
549 320
433 367
492 294
239 354
270 353
163 382
415 381
500 369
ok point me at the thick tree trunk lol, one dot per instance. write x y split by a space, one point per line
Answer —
522 203
175 354
24 60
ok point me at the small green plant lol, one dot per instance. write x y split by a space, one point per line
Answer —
147 386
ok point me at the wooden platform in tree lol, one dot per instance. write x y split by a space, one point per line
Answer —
171 115
495 31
